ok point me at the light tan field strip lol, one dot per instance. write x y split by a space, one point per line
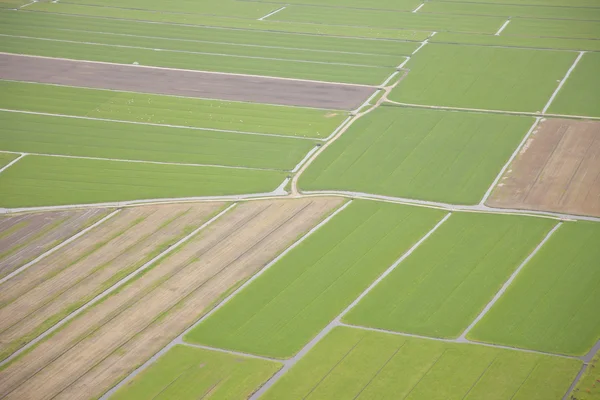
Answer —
25 237
102 345
26 316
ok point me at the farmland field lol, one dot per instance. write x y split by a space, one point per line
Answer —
7 158
356 364
288 305
419 154
447 281
553 303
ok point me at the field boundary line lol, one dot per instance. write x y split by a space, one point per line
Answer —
191 70
59 246
510 160
418 8
114 287
504 25
306 157
272 13
506 285
10 164
179 338
123 46
575 382
151 123
337 320
562 82
28 4
123 160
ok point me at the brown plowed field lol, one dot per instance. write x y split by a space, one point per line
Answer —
257 89
26 236
558 170
104 344
153 228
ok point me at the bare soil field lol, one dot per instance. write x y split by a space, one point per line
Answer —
183 83
65 287
101 346
558 170
26 236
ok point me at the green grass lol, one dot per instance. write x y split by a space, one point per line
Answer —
508 10
155 109
553 304
483 77
557 3
43 181
588 387
581 93
290 303
442 287
7 158
554 28
517 41
92 138
357 364
190 373
417 153
389 20
397 5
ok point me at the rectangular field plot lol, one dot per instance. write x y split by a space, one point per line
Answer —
357 364
554 28
442 287
508 10
98 348
44 134
581 93
553 304
291 302
422 154
43 181
558 170
23 237
483 77
188 373
170 110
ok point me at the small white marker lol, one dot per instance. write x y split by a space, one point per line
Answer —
502 27
418 8
272 13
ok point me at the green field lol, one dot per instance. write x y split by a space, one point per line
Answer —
442 287
418 153
581 93
555 28
483 77
510 10
170 110
290 303
553 304
517 41
92 138
357 364
588 388
42 181
186 373
6 158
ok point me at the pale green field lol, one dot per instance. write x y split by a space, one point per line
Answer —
356 364
512 9
6 158
554 28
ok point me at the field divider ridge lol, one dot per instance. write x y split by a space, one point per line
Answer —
337 320
562 82
418 8
272 13
179 339
114 287
10 164
59 246
502 290
504 25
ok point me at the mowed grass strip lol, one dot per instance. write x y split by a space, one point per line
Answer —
581 93
170 110
92 138
417 153
442 287
45 181
189 373
553 304
483 77
357 364
298 296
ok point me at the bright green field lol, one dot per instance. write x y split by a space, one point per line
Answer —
398 5
483 77
442 287
170 110
418 153
187 373
357 364
555 28
510 10
91 138
42 181
588 388
581 93
517 41
6 158
557 3
553 304
296 298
